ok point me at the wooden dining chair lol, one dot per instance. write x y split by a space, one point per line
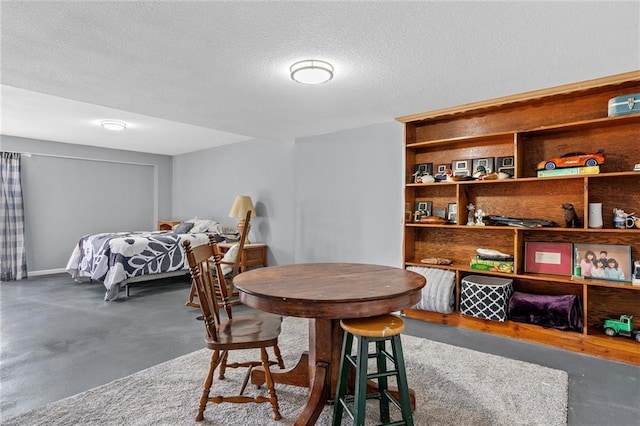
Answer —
234 262
259 330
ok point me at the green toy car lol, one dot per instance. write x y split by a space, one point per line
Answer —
621 327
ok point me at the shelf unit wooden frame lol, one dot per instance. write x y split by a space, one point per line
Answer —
532 127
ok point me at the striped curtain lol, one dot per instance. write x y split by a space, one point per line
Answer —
13 257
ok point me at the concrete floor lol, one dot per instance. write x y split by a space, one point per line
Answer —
59 338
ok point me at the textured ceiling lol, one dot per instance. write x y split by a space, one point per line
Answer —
192 75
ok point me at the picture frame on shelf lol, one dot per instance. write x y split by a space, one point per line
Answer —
506 165
615 258
425 168
548 258
421 172
440 212
422 208
462 167
487 163
441 170
452 213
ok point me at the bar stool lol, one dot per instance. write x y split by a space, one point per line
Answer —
376 330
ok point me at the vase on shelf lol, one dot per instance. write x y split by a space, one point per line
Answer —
595 215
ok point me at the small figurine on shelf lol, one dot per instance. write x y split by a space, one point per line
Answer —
577 268
427 178
479 216
495 176
423 177
480 172
471 208
622 220
571 219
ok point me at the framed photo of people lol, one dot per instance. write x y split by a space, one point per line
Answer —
603 261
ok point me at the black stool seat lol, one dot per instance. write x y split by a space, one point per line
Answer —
377 330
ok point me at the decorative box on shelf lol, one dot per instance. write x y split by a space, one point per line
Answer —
623 105
485 297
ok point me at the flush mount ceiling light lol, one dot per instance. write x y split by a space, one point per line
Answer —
311 71
113 124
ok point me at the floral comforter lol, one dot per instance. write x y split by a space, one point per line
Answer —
114 258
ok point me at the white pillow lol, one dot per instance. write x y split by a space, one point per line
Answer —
230 256
202 225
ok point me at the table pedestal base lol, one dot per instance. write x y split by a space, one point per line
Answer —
295 376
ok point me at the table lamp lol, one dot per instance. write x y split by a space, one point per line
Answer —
241 205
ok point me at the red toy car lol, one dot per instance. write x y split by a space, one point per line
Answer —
572 159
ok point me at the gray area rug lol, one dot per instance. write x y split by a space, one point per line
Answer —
454 386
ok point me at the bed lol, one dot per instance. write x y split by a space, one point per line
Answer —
118 259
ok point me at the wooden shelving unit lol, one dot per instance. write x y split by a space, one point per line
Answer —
532 127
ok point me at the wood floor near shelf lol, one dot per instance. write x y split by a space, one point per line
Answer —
615 348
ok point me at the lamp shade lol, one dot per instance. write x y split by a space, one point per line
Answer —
241 205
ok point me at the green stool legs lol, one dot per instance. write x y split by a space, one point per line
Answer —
359 361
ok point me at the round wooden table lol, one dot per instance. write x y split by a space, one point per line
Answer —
325 293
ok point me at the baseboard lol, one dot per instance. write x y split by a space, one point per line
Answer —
45 272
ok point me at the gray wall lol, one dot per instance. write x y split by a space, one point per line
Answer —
349 192
72 190
329 198
205 183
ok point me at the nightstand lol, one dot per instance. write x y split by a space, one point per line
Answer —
253 254
167 225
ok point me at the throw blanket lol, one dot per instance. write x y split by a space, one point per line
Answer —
116 257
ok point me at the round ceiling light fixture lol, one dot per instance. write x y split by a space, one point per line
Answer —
113 124
311 71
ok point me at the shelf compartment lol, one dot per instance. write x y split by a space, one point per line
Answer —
616 192
616 348
532 110
549 286
531 199
540 146
460 151
609 302
457 243
586 236
439 195
463 141
598 123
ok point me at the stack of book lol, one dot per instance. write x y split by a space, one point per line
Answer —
567 171
492 265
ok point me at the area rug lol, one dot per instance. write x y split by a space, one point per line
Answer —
454 386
